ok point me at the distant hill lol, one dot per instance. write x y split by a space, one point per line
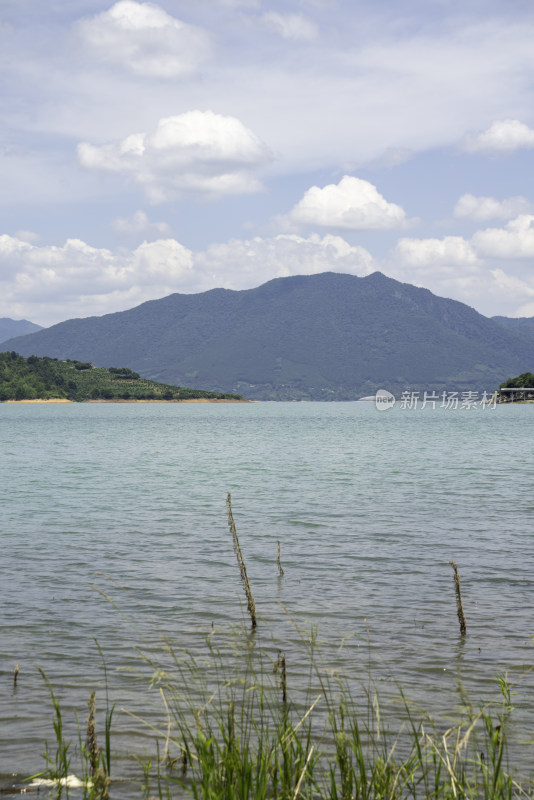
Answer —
16 327
44 378
324 337
521 325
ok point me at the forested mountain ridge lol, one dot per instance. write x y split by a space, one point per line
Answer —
327 336
521 325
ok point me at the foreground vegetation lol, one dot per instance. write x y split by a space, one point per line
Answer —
236 724
36 378
238 720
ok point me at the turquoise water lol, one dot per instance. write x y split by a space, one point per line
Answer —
369 508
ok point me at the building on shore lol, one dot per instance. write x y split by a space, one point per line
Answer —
510 394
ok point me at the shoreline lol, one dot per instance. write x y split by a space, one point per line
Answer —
133 400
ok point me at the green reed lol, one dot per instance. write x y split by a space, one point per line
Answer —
94 764
238 733
58 766
237 723
240 722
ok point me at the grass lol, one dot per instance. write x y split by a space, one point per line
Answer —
94 763
239 731
239 721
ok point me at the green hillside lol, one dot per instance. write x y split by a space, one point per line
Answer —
46 378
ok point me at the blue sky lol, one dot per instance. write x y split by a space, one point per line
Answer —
150 148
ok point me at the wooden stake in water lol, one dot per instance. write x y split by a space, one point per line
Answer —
15 676
278 561
241 562
459 606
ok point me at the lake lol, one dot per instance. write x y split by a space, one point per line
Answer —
128 501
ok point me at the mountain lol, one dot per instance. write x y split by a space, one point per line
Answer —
521 325
324 337
16 327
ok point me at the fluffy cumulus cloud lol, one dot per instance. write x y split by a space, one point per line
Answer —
450 251
505 285
516 240
291 26
198 151
484 208
139 224
41 282
462 269
351 204
239 264
502 137
51 283
145 40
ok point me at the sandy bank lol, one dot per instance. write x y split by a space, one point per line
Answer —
189 400
132 400
51 400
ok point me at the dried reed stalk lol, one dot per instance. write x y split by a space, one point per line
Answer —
241 562
278 561
92 745
459 606
281 665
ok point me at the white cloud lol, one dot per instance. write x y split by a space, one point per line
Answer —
239 264
456 267
505 285
502 137
198 151
139 223
43 282
526 310
352 204
514 241
51 283
27 236
369 87
452 251
144 39
291 26
452 267
484 208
